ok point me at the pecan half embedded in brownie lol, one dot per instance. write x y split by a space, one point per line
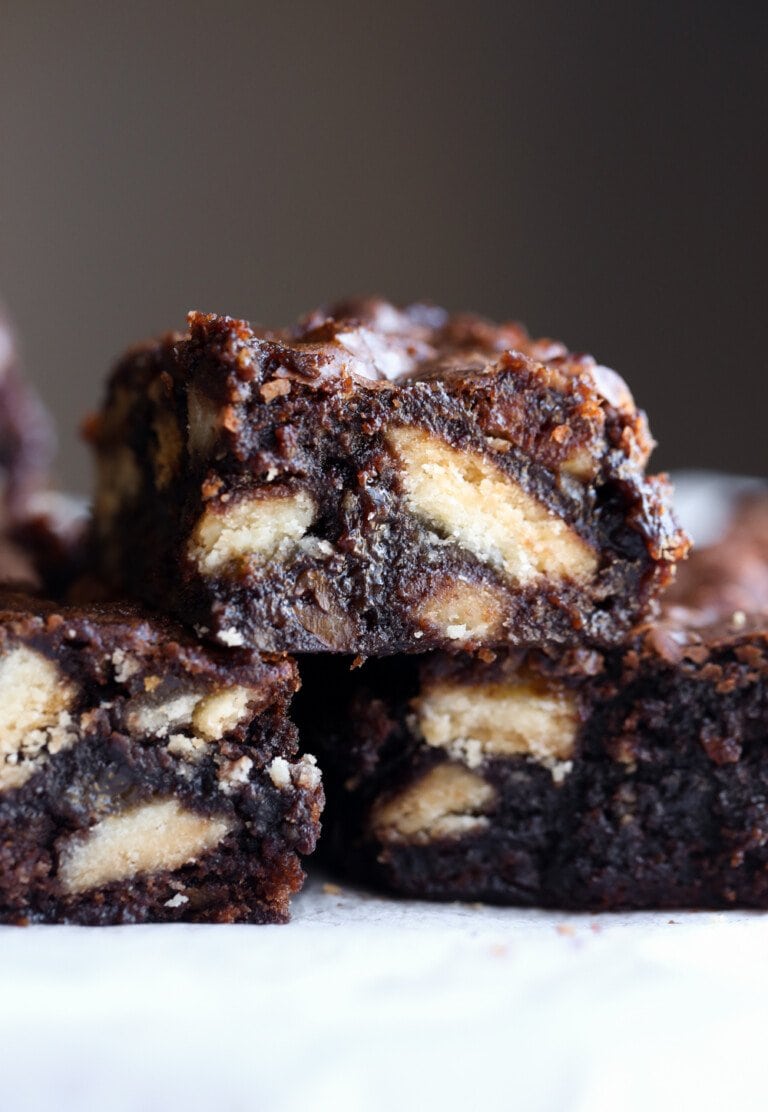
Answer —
144 778
634 779
377 481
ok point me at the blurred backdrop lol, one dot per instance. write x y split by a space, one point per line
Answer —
595 169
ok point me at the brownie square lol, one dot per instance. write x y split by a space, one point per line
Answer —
634 778
144 778
377 481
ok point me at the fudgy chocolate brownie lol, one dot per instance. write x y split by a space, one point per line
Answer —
144 778
378 481
26 432
632 779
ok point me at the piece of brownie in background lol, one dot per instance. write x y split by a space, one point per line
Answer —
378 481
27 444
731 573
144 778
43 532
51 537
27 440
633 779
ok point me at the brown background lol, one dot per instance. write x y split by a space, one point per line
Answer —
598 170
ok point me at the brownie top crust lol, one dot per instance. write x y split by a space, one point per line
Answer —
369 343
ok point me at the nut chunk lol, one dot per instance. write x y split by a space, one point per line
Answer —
637 778
378 481
142 777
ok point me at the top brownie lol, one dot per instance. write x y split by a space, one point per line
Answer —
377 481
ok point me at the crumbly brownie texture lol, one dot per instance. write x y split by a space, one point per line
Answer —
142 777
379 481
26 432
638 779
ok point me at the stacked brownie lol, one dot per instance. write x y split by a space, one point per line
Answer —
144 775
379 482
630 778
451 525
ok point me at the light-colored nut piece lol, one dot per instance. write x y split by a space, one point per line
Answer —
308 775
498 445
166 454
220 712
125 666
234 773
581 465
159 713
472 722
118 475
190 749
304 773
280 772
447 802
229 636
316 547
463 611
468 499
177 901
204 420
118 482
275 388
155 837
264 526
34 713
